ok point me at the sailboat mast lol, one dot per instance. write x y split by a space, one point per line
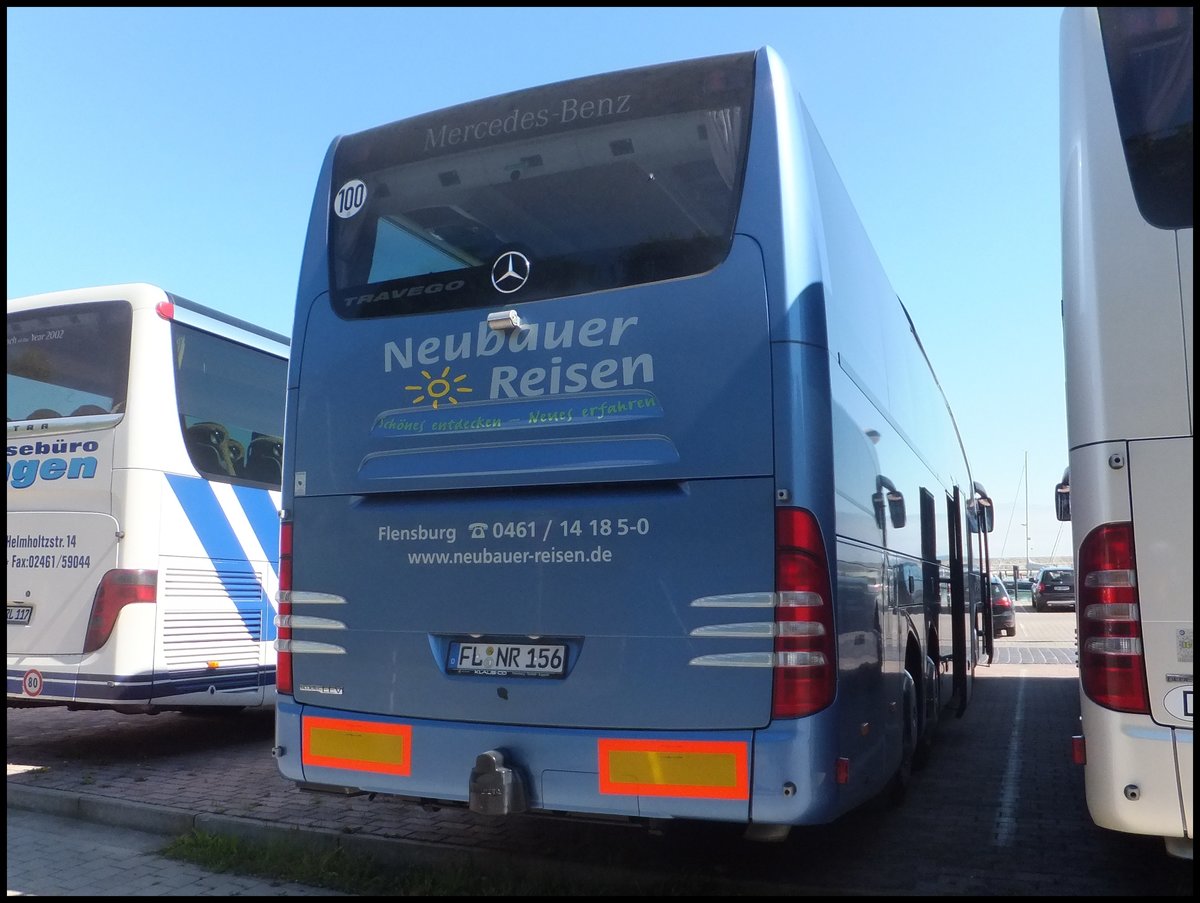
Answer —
1027 513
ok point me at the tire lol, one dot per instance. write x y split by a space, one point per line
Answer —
924 751
892 793
897 788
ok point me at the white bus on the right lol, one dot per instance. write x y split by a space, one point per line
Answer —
1127 226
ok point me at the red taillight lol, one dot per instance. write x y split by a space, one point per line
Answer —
285 556
283 653
805 665
1112 665
117 589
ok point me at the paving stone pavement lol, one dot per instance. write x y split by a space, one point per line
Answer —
999 811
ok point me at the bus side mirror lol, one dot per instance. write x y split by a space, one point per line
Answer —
1062 501
895 503
987 516
1062 497
980 516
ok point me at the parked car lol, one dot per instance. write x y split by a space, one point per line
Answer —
1004 613
1054 586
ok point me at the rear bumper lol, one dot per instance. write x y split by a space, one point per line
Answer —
1138 774
661 775
85 682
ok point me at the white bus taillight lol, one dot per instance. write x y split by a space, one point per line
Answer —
1112 665
805 664
283 621
117 589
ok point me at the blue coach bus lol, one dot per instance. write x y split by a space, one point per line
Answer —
616 479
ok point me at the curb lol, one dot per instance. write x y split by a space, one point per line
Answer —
118 813
384 851
177 822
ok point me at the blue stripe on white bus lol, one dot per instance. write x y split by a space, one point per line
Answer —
263 516
211 523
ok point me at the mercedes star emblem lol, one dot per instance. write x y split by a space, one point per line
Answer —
510 271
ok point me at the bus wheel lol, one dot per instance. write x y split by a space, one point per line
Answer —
929 724
897 788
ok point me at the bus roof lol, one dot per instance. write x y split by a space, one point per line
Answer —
145 292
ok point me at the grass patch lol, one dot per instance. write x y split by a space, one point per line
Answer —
345 872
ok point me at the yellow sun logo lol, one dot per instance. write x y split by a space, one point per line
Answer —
438 389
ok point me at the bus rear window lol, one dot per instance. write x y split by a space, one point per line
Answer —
597 183
68 361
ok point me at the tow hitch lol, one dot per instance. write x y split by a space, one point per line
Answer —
495 789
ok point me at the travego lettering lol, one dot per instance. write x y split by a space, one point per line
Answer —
396 294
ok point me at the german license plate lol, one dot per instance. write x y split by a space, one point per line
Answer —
20 614
1061 589
508 659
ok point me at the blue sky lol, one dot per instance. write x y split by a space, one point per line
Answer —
181 147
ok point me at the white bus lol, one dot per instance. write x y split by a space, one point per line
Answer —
144 462
1127 207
